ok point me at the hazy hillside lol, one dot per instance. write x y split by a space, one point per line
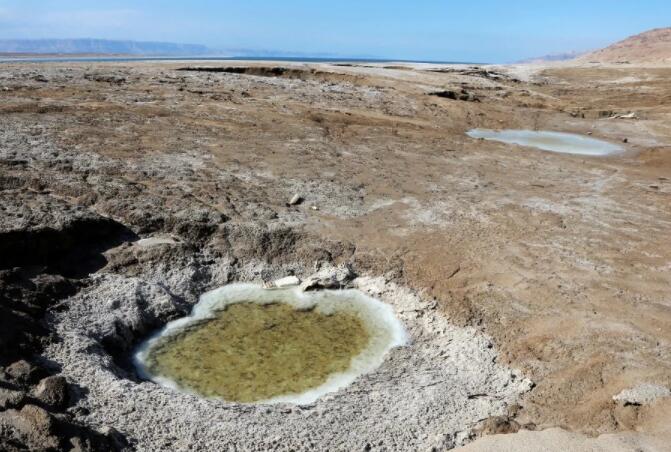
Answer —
100 46
552 57
653 46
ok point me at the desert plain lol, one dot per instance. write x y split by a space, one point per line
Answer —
127 189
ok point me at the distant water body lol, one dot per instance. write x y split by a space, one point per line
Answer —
566 143
94 59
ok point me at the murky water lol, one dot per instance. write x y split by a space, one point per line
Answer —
252 352
246 344
567 143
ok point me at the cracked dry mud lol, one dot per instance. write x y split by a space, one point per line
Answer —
129 189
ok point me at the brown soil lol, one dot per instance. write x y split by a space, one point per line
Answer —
564 260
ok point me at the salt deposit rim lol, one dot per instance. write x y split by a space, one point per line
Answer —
385 330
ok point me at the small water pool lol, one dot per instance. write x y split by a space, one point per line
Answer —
246 344
566 143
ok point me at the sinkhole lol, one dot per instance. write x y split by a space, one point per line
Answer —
243 343
567 143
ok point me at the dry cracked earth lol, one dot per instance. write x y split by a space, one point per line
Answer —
506 262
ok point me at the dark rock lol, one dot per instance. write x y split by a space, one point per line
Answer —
32 426
52 392
114 438
23 373
86 440
463 95
19 336
10 398
25 296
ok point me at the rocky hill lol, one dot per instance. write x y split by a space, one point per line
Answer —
653 46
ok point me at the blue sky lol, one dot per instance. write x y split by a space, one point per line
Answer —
466 30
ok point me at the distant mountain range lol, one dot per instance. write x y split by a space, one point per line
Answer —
101 46
138 48
553 57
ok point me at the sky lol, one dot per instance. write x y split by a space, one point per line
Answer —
466 30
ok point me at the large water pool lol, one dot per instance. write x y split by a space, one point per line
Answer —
567 143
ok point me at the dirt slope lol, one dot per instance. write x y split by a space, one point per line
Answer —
653 46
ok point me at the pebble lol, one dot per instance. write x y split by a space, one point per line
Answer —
296 199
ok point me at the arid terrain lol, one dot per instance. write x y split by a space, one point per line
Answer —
650 47
533 265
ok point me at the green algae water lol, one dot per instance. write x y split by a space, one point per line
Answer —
246 344
251 352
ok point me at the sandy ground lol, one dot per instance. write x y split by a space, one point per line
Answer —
563 260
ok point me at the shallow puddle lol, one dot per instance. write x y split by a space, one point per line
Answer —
566 143
247 344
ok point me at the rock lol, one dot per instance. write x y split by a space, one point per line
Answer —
283 282
107 439
295 200
626 140
10 398
329 277
642 394
113 304
52 392
32 426
23 373
155 241
114 437
463 95
631 115
498 425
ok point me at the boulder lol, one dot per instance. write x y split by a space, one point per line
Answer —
32 427
10 398
52 392
329 277
23 373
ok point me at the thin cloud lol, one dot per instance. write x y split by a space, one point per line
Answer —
92 18
112 23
